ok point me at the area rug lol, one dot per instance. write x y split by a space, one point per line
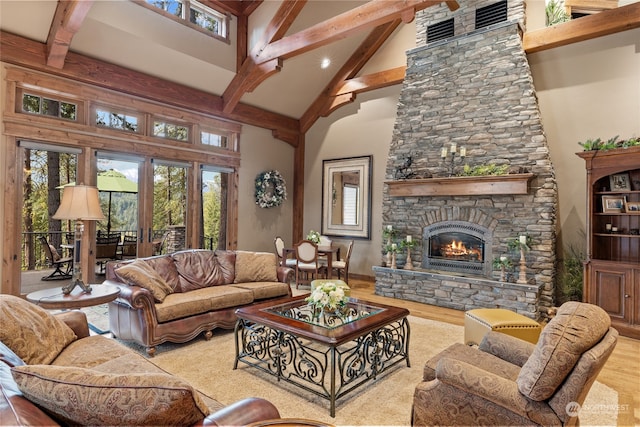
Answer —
208 366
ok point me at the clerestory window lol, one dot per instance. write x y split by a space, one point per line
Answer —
45 106
193 14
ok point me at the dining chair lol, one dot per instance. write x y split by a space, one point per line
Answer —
279 244
106 249
307 262
62 265
342 266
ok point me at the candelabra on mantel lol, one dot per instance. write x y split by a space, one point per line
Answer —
453 151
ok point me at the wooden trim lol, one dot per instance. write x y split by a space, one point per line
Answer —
461 186
588 27
67 20
30 54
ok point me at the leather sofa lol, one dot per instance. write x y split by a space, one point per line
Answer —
52 372
175 297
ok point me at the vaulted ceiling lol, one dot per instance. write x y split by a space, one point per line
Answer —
269 75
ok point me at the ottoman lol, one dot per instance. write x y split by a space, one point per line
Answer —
479 321
339 284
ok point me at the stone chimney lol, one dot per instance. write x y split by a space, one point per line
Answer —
474 89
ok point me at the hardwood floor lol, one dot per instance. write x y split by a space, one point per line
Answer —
621 372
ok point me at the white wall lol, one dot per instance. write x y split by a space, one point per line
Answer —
586 90
359 129
257 227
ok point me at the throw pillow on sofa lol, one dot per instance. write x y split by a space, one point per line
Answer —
87 397
31 332
198 269
256 267
141 274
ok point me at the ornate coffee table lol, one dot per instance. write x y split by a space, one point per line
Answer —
328 356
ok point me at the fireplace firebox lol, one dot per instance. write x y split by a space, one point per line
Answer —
457 247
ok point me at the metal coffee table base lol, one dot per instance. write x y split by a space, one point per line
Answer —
327 371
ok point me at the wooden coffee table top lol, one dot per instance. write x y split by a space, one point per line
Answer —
265 315
54 298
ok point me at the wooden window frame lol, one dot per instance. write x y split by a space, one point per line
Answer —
185 20
21 92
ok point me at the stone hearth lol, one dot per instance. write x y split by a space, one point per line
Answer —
474 90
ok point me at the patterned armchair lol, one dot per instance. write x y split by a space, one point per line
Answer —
508 381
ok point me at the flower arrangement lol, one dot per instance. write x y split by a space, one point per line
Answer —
271 189
313 236
520 243
502 262
327 295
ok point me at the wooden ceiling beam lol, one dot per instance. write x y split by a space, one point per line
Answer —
66 22
585 28
373 81
28 53
452 5
280 23
361 18
354 64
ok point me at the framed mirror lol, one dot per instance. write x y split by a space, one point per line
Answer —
346 197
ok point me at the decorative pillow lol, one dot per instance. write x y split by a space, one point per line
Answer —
31 332
575 329
54 253
166 268
227 261
141 274
198 269
256 267
87 397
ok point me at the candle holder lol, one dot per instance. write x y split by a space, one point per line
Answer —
409 264
522 277
453 152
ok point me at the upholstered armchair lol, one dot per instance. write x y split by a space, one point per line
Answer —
508 381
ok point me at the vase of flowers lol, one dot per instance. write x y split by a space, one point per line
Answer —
313 236
327 297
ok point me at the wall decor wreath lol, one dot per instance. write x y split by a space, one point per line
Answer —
271 189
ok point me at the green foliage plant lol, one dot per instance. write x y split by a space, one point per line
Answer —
555 13
485 170
571 274
610 144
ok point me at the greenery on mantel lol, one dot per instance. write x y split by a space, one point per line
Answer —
610 144
485 170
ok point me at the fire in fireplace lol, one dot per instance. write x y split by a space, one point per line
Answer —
458 247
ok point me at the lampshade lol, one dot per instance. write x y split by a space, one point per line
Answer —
80 202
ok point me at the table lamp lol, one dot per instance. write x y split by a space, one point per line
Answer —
79 203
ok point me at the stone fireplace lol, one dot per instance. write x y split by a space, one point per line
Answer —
474 90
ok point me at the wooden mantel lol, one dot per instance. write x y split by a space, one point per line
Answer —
461 185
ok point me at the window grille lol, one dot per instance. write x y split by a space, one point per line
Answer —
492 14
41 105
440 31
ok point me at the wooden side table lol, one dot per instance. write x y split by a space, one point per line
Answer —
55 299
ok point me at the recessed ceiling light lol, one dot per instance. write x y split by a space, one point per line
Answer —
325 63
